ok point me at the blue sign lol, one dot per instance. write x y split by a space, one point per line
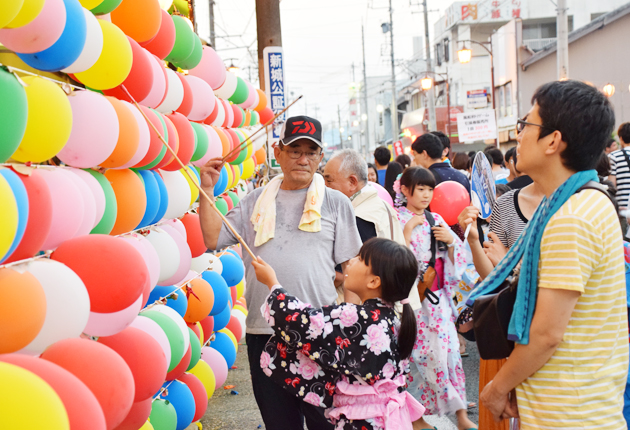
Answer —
482 185
273 60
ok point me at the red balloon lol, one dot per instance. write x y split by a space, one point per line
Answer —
140 79
199 394
162 44
228 200
103 371
235 326
207 324
233 291
215 112
145 359
84 411
229 114
181 367
194 237
235 141
155 145
449 200
137 416
187 103
39 218
266 115
238 116
173 142
195 329
113 271
186 141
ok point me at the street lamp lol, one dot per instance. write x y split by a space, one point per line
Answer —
341 129
364 117
464 55
426 83
609 90
379 108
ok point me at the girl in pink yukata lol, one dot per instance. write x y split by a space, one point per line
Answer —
351 359
436 376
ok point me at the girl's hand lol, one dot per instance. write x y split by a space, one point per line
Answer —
443 234
495 250
469 216
415 221
265 273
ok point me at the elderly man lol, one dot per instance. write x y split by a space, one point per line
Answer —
303 230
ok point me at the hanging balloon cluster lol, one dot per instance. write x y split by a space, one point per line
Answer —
113 316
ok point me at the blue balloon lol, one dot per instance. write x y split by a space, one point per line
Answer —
222 318
21 198
233 269
234 253
220 289
219 188
68 47
152 190
180 305
182 400
224 345
163 198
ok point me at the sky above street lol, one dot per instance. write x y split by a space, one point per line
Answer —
321 41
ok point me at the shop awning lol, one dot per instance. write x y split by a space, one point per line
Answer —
410 119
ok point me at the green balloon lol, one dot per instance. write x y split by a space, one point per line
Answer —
163 415
242 155
221 205
242 124
255 118
195 348
234 197
202 141
174 335
195 56
160 156
106 7
106 223
184 41
241 92
13 114
182 7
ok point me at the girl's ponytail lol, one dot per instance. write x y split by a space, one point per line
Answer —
407 332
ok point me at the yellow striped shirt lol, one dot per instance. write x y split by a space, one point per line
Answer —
582 384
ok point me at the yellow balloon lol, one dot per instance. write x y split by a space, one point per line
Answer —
200 333
230 177
147 426
194 191
8 217
26 401
28 11
90 4
203 371
240 308
9 10
231 335
114 64
248 168
240 289
236 177
48 124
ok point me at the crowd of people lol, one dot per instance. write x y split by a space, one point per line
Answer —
361 303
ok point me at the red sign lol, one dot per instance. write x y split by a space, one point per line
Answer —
398 148
454 111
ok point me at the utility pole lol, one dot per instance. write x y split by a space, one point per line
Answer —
563 41
365 98
394 104
212 24
268 31
427 44
340 136
353 78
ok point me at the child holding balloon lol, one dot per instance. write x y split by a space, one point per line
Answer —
349 358
437 376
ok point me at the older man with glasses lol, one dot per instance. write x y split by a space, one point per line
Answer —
302 229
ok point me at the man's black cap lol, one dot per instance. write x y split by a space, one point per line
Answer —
301 127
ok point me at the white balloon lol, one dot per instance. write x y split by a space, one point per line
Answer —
179 193
154 330
181 324
167 251
220 119
92 48
226 90
89 204
149 254
109 324
205 262
67 303
184 255
174 95
97 193
259 141
242 318
179 226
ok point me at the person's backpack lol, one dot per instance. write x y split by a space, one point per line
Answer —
433 278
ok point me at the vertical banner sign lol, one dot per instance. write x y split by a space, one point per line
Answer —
273 60
398 148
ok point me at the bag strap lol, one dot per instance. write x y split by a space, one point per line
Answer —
431 220
592 185
625 155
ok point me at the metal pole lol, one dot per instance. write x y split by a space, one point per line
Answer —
494 103
340 136
394 104
427 48
365 97
448 106
212 24
563 41
269 31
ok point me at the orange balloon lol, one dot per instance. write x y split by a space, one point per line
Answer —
248 118
128 136
173 142
138 19
226 143
262 100
200 303
22 309
130 197
260 155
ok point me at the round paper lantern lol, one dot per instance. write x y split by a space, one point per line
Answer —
187 101
114 63
144 138
139 19
449 200
154 330
67 48
10 10
262 101
113 272
128 135
81 405
202 101
130 198
163 415
140 79
167 251
228 87
200 304
95 130
183 401
175 94
108 219
13 114
195 56
137 416
159 86
162 44
92 47
178 194
172 332
217 362
110 323
49 121
211 68
30 401
184 41
105 7
103 371
186 135
199 393
40 33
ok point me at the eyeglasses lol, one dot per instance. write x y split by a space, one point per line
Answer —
520 125
296 155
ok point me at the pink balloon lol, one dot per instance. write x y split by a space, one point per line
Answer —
158 91
89 204
184 253
144 138
149 254
67 207
215 149
229 114
109 324
383 194
97 193
39 34
252 97
217 363
179 226
220 119
211 68
94 130
154 330
203 98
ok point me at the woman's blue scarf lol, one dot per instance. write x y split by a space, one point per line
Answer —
527 248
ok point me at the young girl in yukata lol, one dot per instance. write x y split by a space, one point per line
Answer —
351 359
437 377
